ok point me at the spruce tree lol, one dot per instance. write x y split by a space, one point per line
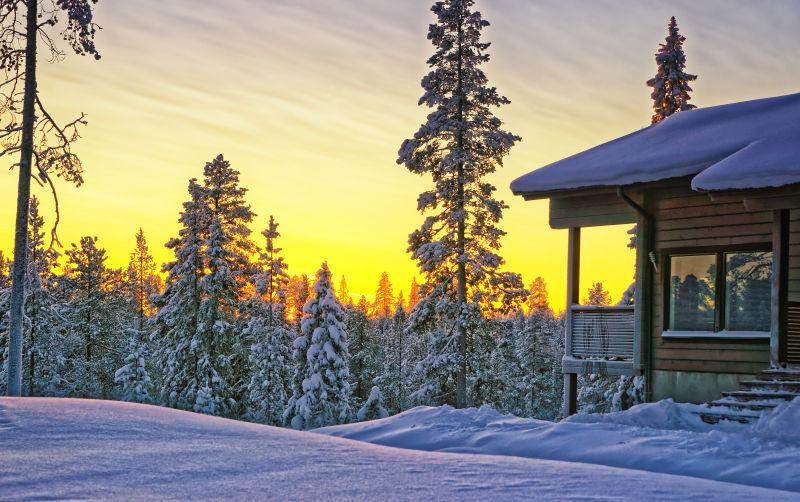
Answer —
460 144
373 408
133 377
268 333
363 348
176 321
326 388
142 280
671 84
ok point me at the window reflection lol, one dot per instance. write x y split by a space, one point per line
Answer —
747 291
692 292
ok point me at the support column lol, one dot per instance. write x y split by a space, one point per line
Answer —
570 406
643 298
780 286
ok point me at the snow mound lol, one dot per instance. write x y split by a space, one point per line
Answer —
752 144
102 450
663 437
666 415
783 423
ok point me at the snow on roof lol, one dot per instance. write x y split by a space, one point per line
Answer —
752 144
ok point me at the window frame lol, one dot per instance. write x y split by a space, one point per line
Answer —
720 285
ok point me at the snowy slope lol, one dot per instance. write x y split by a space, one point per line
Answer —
752 144
68 448
661 437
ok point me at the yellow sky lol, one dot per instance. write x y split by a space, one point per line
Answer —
310 101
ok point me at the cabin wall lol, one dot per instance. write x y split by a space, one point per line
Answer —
699 369
794 256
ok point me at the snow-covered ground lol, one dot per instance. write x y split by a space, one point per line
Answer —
68 449
662 437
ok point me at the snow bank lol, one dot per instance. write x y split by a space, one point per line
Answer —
782 424
662 437
102 450
752 144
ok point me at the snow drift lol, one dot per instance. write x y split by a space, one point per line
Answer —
663 437
85 449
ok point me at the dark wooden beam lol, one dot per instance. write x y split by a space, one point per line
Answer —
772 203
780 286
570 405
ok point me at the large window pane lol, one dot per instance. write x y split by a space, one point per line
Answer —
692 292
747 291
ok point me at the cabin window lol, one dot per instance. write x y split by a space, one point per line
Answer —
725 293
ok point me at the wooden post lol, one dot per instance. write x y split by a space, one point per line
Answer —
780 286
570 406
643 296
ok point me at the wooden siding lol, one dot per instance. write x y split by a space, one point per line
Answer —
685 220
794 256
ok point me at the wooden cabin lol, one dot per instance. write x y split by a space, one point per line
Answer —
715 195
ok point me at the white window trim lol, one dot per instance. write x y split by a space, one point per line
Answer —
718 335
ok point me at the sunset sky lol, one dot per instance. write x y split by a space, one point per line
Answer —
310 101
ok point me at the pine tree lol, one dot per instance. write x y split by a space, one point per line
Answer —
596 295
413 295
142 280
326 388
270 338
671 84
44 146
539 299
373 407
94 308
460 144
384 297
394 372
343 294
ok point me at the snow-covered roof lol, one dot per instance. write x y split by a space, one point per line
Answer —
752 144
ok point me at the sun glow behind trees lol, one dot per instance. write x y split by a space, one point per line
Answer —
310 113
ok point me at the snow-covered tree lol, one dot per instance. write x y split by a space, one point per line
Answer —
31 29
179 306
460 144
270 338
42 347
394 372
373 407
671 84
326 388
133 377
363 348
94 307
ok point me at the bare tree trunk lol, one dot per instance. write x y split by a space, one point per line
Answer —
23 199
461 330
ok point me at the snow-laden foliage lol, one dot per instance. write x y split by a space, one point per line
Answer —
133 377
267 332
459 145
373 407
671 84
326 388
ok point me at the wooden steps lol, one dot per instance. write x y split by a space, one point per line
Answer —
769 389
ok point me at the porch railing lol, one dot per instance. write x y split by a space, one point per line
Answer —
602 332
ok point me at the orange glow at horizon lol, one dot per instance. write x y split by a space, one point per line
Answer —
311 100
